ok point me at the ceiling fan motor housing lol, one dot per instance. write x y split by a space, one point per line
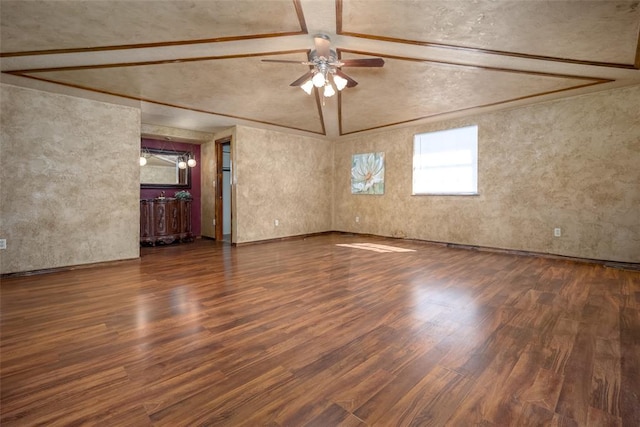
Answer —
332 59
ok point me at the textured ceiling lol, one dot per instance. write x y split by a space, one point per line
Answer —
197 64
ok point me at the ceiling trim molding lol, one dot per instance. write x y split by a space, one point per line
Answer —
319 107
296 5
340 31
166 104
480 67
590 81
340 133
492 52
301 20
339 17
31 73
150 45
638 51
493 104
158 62
467 109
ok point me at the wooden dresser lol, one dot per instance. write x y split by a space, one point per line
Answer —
165 220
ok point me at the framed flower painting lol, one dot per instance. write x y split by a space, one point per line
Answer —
367 173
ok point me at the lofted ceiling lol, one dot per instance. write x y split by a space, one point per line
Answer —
197 64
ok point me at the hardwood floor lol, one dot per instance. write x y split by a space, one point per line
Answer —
307 333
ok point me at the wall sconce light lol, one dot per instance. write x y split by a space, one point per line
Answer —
191 161
181 163
144 154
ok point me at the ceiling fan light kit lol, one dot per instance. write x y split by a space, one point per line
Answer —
339 82
307 86
319 80
326 71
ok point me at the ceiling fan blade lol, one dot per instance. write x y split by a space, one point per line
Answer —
322 42
365 62
302 79
350 81
284 61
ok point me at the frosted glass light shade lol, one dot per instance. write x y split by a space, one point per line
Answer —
318 80
340 82
191 163
329 91
143 160
307 86
182 164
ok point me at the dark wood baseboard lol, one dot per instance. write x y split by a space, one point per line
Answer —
68 268
78 266
285 238
607 263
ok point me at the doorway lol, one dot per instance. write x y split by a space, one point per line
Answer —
223 228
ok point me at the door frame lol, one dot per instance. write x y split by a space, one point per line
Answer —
219 189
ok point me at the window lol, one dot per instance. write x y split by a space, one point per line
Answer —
446 162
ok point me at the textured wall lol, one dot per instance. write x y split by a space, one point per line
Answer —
284 177
157 132
70 187
572 163
208 171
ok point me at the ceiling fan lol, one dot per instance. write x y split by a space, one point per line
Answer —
326 68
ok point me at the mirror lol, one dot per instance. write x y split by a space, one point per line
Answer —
162 170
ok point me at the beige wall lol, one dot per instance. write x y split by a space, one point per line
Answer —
208 179
572 163
69 188
69 177
284 177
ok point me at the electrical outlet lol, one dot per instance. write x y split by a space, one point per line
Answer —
276 222
3 243
557 232
357 219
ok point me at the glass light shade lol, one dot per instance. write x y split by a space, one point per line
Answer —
340 82
143 160
329 91
307 86
182 164
191 163
318 80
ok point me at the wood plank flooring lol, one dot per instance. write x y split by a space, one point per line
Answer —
307 333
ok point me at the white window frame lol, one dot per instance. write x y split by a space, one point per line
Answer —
445 163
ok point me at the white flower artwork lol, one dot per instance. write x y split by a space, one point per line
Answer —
367 173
